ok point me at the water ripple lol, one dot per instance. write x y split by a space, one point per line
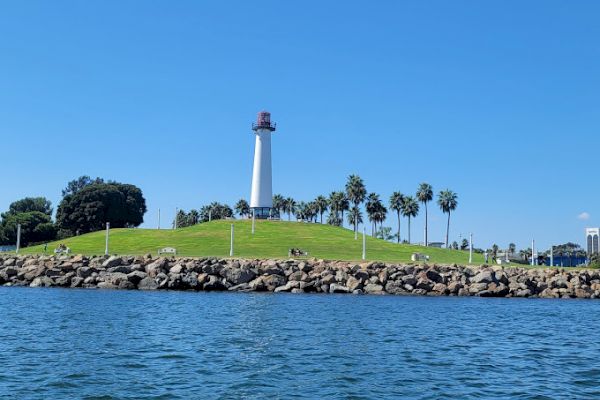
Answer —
65 343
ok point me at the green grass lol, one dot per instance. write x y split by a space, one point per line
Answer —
272 239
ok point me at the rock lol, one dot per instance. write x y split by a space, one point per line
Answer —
336 288
273 281
523 293
434 276
354 284
155 268
76 281
213 284
147 284
373 288
440 288
176 269
238 275
106 285
477 287
242 287
136 276
484 276
112 261
395 287
42 281
124 269
297 290
424 284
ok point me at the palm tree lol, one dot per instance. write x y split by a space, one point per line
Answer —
512 248
321 206
278 204
410 209
355 216
289 206
337 204
242 208
372 206
425 195
448 201
380 215
396 203
193 217
300 211
356 192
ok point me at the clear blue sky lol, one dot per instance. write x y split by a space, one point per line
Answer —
497 100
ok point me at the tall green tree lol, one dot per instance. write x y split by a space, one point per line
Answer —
278 205
355 192
29 204
448 201
425 195
372 206
290 207
90 208
396 204
242 208
193 217
77 184
321 205
410 210
36 227
214 211
355 216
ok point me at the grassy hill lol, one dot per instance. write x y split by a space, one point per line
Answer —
272 239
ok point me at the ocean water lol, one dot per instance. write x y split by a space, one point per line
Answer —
94 344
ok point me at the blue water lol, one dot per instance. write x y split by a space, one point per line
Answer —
93 344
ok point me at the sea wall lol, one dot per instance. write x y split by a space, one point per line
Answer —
297 276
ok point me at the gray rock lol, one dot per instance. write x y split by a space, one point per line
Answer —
373 288
111 262
136 276
124 269
147 284
42 281
336 288
484 276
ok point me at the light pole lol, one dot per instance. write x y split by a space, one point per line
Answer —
551 255
470 248
159 218
253 218
18 238
231 244
107 233
176 211
364 249
533 252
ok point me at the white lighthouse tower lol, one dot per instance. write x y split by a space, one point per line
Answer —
261 199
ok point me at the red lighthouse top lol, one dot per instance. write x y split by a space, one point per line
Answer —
263 121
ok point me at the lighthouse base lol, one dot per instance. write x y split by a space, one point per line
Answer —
262 212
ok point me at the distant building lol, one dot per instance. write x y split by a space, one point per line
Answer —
591 235
261 198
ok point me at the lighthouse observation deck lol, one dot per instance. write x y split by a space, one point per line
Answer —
263 121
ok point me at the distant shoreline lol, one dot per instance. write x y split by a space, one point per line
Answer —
296 276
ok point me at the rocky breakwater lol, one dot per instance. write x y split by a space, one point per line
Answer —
297 276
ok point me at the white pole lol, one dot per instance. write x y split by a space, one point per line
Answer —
364 250
176 211
107 232
231 245
470 248
209 215
551 256
18 238
253 218
159 218
532 252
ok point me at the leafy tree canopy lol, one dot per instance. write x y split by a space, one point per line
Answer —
91 207
29 204
36 227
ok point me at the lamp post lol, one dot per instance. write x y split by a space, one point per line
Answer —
364 247
107 233
470 248
253 219
176 211
551 256
18 238
159 218
533 252
231 244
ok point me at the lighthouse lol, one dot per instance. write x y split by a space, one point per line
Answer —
261 199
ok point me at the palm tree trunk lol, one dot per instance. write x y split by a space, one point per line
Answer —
321 217
356 227
289 216
409 229
398 226
447 229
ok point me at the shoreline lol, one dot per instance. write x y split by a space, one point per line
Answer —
296 276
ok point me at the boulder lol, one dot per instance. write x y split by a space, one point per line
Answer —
42 281
238 275
111 262
136 276
337 288
484 276
147 284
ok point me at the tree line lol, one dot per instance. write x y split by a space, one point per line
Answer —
86 206
349 203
